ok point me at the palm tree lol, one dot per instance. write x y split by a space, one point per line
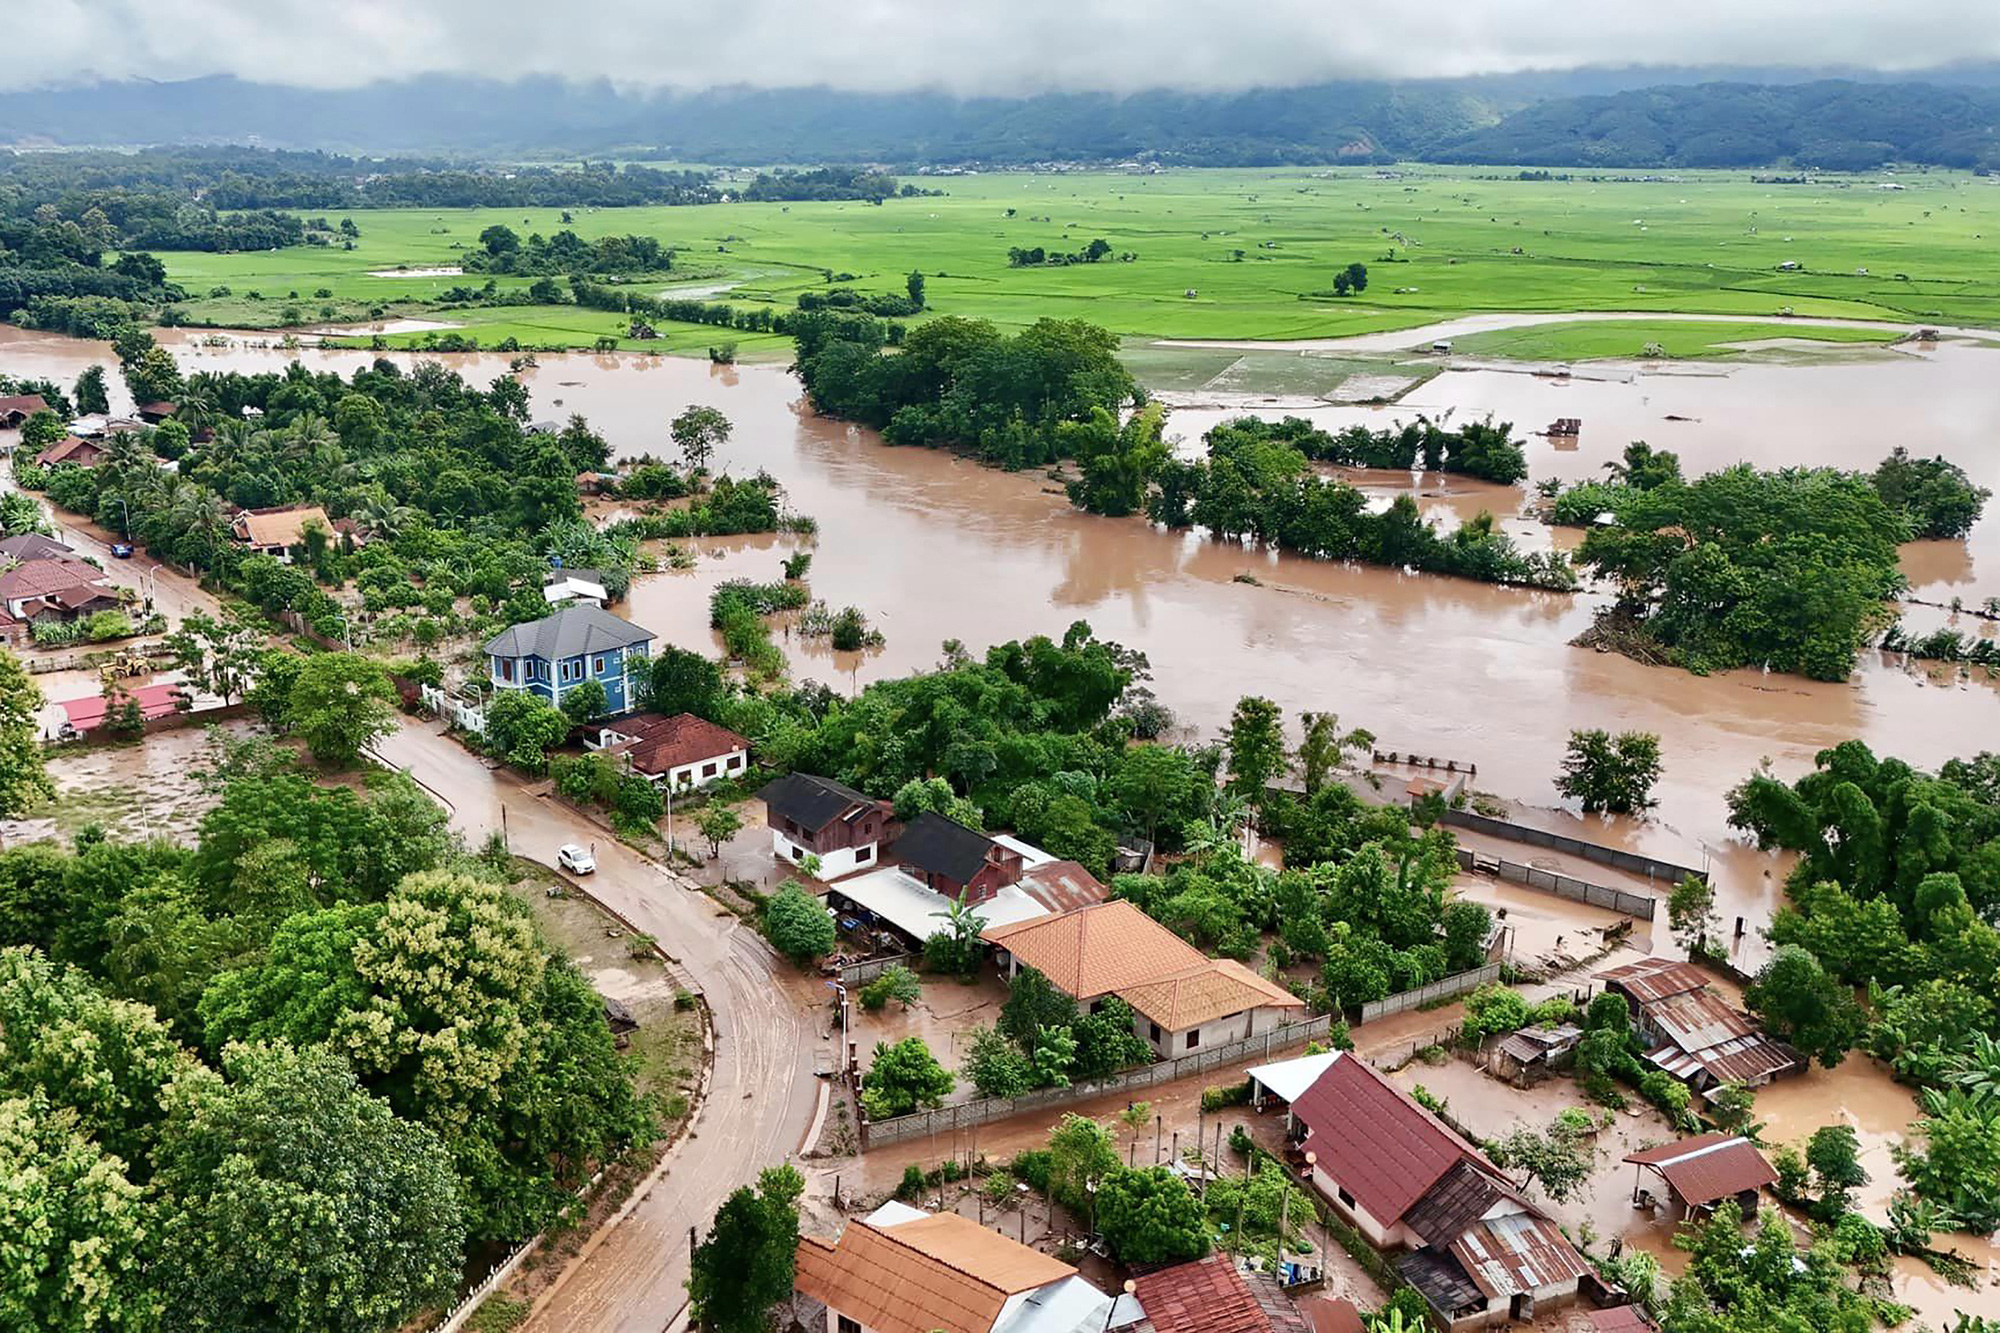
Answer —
381 516
196 412
963 926
1976 1071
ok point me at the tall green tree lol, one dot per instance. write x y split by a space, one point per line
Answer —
1150 1216
698 433
1802 1005
1614 773
294 1199
903 1078
1255 743
680 681
797 925
746 1264
78 1228
24 778
339 704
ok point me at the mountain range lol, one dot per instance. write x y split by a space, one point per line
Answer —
1640 117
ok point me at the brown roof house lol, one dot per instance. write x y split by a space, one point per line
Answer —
1213 1295
817 816
902 1270
278 531
939 863
71 449
25 588
1182 999
154 413
1703 1171
17 408
1695 1034
1475 1247
683 751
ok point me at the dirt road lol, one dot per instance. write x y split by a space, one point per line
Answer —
769 1025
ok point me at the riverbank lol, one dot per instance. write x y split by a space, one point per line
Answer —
934 547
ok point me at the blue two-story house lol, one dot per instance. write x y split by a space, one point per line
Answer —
557 653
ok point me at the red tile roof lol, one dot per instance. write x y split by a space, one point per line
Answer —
1331 1314
39 578
1381 1146
87 713
1211 1296
27 404
661 744
1622 1319
1708 1167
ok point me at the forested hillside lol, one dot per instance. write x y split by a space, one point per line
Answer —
1587 118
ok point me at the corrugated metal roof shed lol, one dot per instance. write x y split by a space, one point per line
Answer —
1517 1252
1652 979
1708 1167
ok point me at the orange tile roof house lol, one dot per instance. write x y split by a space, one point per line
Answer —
1477 1250
276 531
27 585
902 1270
1184 1000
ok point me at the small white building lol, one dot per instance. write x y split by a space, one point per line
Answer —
574 585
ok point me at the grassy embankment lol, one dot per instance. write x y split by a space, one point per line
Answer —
1709 244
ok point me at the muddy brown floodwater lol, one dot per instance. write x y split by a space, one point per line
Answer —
935 547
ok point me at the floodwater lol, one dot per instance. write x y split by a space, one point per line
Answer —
935 547
1858 1092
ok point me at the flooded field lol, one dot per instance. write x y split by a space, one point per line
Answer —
935 547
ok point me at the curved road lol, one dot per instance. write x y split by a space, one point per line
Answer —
769 1024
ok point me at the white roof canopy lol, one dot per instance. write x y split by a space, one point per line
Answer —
1289 1079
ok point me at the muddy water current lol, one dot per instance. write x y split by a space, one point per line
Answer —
934 547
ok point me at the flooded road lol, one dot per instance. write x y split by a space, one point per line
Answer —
934 547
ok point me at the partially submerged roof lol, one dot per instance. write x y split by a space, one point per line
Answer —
941 1272
943 846
1652 979
281 526
813 802
1381 1146
1212 1295
1517 1252
1622 1319
574 631
1708 1167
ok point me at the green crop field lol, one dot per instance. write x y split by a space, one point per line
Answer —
1225 254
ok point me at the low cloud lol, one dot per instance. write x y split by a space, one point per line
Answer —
973 47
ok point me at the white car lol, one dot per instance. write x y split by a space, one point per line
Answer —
577 860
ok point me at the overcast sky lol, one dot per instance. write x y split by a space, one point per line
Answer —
971 46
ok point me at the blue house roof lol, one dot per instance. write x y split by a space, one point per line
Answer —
571 632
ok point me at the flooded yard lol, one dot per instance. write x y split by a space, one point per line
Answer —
134 791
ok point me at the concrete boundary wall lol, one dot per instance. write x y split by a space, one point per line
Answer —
1666 873
987 1109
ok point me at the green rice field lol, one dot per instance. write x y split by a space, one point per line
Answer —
1225 254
